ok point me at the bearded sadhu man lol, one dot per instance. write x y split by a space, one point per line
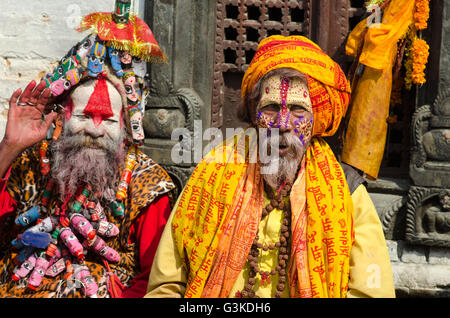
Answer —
308 229
82 209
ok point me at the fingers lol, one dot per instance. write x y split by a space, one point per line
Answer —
43 99
48 119
33 95
25 97
37 92
15 97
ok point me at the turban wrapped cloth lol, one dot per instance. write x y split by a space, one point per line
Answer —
328 87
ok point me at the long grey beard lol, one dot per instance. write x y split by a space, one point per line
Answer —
284 168
81 159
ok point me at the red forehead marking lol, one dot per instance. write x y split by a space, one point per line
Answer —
284 87
99 104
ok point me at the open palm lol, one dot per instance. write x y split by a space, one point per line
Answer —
27 123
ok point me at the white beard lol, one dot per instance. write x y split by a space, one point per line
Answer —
80 159
284 168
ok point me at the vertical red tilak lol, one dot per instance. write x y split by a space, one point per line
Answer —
284 87
99 105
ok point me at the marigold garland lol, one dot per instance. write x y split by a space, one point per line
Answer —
420 52
422 14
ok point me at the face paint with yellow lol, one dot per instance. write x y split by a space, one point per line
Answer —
286 104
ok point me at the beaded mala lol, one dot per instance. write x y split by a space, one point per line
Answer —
276 201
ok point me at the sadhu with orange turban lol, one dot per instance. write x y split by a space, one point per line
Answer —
298 225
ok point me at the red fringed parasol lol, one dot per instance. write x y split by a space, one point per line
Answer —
135 36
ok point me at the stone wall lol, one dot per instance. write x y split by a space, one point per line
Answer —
419 271
36 34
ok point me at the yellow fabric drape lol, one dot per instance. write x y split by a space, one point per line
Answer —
369 257
367 127
225 200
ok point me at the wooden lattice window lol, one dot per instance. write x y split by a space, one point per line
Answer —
240 26
246 23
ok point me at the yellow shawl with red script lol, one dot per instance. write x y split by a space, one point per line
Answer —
218 213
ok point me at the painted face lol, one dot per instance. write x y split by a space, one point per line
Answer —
122 12
57 87
95 109
132 89
136 127
139 67
285 104
96 59
115 61
86 46
71 78
69 64
125 57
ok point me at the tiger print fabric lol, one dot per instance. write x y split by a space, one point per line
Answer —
26 185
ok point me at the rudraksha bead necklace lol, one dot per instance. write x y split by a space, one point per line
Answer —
276 201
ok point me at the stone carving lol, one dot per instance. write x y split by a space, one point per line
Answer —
428 216
428 207
240 26
430 156
390 217
166 110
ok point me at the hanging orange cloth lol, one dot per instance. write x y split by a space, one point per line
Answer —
367 127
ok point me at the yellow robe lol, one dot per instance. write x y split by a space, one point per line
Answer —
370 268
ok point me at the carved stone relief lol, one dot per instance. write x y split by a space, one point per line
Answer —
168 109
428 208
430 156
428 216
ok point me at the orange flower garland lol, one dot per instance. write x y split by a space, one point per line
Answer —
420 52
422 14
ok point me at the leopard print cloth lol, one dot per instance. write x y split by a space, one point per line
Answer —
26 185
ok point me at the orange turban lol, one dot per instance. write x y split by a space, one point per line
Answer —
328 87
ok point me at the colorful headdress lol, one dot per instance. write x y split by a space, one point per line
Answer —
328 86
124 31
124 42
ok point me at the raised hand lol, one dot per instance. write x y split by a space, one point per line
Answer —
27 124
